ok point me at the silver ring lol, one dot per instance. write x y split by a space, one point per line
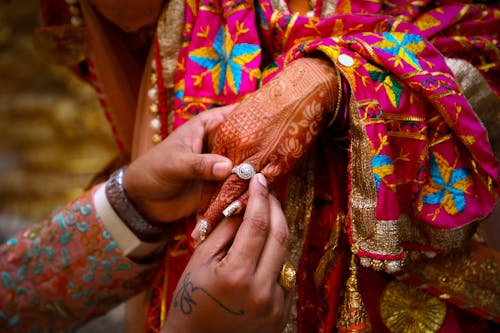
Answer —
244 171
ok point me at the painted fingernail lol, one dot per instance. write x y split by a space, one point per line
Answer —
203 230
221 169
232 208
262 180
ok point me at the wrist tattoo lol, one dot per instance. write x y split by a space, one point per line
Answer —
185 301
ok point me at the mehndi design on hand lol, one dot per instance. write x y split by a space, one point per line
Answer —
272 129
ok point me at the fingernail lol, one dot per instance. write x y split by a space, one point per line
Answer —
262 180
221 169
203 230
196 231
232 208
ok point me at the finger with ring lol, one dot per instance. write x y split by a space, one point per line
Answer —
288 276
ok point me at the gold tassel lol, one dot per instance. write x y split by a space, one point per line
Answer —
330 257
353 316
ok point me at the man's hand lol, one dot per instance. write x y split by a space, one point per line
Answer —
165 183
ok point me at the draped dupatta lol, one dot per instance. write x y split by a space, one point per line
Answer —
419 169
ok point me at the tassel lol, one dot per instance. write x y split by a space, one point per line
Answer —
353 316
330 257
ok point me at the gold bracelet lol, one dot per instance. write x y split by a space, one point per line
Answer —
339 97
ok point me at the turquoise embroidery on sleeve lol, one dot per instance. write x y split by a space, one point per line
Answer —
13 321
111 246
86 210
49 253
21 273
7 281
65 257
12 242
65 238
38 269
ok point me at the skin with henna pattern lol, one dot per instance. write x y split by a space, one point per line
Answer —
273 136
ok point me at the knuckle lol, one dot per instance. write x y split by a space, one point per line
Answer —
198 167
262 301
259 223
236 280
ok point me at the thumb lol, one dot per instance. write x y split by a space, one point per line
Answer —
205 166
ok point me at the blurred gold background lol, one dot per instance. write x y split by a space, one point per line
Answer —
53 135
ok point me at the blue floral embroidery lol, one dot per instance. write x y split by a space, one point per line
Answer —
382 166
402 46
448 185
225 60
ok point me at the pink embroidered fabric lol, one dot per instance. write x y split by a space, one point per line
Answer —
420 160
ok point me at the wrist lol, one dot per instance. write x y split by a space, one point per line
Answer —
128 213
131 246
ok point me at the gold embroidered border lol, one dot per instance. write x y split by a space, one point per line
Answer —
471 275
210 9
238 8
298 208
393 116
380 237
427 73
481 97
438 238
289 28
169 33
399 134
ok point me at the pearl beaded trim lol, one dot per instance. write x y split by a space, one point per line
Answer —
76 18
154 108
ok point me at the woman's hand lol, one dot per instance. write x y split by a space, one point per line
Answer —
165 183
273 128
231 282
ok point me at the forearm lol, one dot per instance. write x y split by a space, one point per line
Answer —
65 270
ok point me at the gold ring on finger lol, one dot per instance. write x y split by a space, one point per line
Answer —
288 276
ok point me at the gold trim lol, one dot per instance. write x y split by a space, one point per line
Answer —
406 135
238 8
440 140
339 97
289 28
392 116
481 97
471 274
169 33
298 209
368 233
404 309
210 9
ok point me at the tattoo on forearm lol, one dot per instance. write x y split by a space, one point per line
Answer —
184 298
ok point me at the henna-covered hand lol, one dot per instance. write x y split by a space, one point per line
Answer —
272 129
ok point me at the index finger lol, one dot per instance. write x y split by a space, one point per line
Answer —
254 230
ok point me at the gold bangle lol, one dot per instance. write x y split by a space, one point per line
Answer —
339 97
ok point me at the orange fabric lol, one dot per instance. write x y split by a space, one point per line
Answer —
118 69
